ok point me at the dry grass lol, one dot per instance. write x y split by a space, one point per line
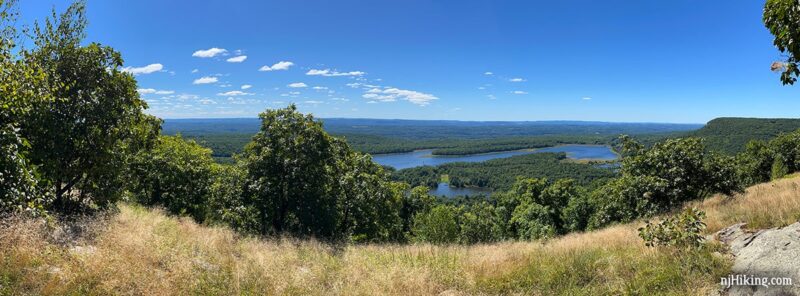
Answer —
145 252
765 205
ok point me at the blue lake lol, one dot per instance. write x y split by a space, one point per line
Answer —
425 157
444 189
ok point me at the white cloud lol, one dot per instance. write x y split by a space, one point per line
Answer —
282 65
319 87
340 99
246 86
491 97
519 92
516 79
313 102
209 53
234 93
155 91
329 73
238 59
208 102
481 87
354 84
297 85
195 71
393 94
143 70
205 80
488 73
586 98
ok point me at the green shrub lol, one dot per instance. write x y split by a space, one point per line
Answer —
683 231
437 226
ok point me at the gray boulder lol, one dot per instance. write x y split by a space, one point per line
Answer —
765 260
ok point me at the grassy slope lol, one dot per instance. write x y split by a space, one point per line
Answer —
142 251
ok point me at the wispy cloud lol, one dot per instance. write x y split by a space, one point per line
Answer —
143 70
586 98
320 87
488 73
205 80
195 71
491 97
297 85
332 73
517 79
282 65
519 92
246 86
394 94
234 93
154 91
238 59
209 53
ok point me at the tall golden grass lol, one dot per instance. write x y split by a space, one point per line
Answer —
141 251
766 205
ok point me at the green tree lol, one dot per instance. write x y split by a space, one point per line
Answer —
290 165
787 148
436 226
418 200
575 216
534 221
368 204
229 204
303 182
82 140
176 174
19 89
479 224
779 169
754 164
781 18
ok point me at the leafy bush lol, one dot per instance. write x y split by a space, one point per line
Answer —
437 226
683 231
176 174
19 190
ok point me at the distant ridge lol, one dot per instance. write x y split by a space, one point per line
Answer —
430 129
731 134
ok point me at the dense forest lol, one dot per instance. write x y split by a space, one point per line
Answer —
730 135
500 174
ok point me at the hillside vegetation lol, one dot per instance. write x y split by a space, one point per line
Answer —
142 251
730 134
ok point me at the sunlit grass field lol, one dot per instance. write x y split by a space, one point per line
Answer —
140 251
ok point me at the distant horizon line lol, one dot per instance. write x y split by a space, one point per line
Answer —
480 121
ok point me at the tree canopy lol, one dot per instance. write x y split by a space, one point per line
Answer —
782 18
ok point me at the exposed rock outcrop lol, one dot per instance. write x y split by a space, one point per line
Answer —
763 257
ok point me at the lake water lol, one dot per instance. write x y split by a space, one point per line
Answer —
425 157
444 189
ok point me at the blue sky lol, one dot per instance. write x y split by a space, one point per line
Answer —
654 61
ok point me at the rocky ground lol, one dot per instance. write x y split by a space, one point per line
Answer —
770 253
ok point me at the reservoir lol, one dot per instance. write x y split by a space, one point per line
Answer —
425 157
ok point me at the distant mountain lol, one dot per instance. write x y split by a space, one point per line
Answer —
433 129
731 134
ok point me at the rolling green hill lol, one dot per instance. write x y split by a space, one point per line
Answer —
730 135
